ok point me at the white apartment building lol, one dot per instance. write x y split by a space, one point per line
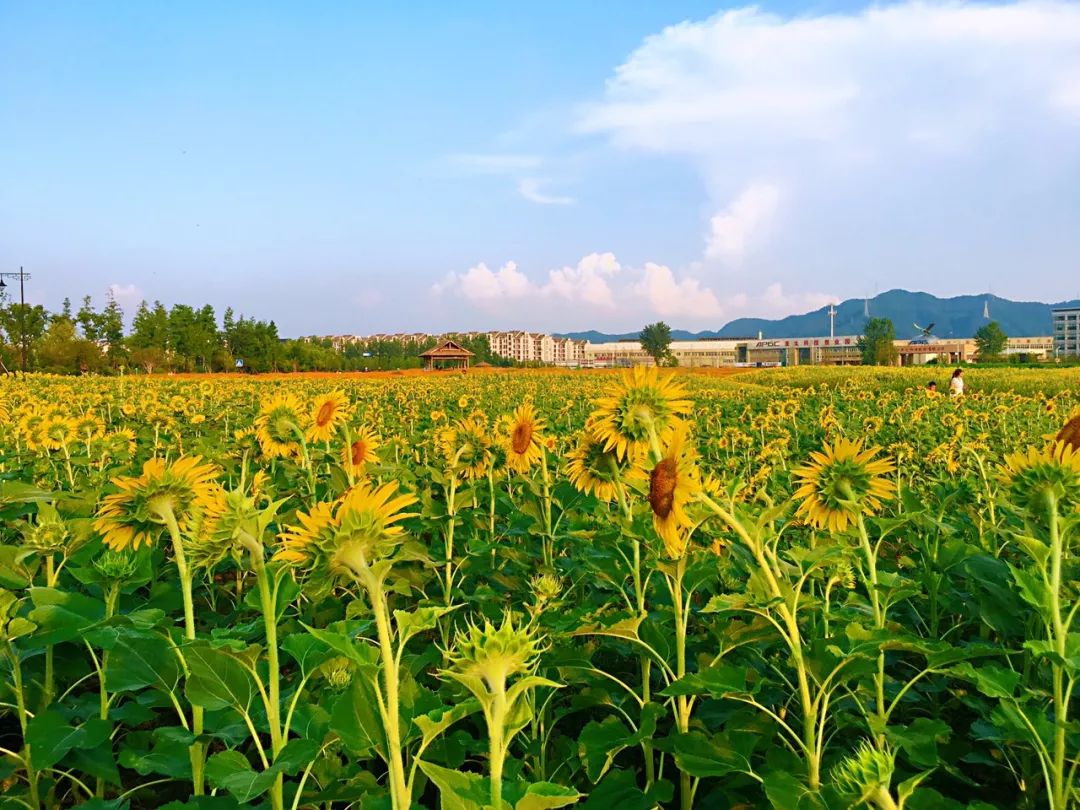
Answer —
1066 322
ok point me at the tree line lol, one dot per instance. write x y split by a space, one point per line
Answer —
184 338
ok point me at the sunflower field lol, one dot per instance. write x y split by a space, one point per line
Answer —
806 588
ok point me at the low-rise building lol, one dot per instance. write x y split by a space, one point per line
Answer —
1037 348
687 353
839 350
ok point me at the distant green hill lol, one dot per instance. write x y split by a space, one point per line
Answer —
952 317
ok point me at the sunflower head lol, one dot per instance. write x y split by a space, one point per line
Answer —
360 450
866 774
116 566
279 425
328 412
467 448
338 673
336 541
596 469
494 654
674 482
524 441
644 405
841 482
232 523
139 511
49 533
1035 477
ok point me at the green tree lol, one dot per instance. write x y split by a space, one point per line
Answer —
877 343
63 351
88 320
655 340
991 340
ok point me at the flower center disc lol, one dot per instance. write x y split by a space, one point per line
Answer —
662 487
325 412
359 450
521 438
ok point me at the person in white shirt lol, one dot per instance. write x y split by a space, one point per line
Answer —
956 384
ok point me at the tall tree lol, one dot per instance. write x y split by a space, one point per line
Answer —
655 341
88 320
877 343
991 340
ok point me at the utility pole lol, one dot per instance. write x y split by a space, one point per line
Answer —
21 276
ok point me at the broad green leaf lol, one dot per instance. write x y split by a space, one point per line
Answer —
600 742
216 680
355 719
409 623
434 723
141 659
717 681
306 650
545 795
50 736
920 739
458 790
63 615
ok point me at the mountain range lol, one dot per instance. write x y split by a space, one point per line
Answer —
952 317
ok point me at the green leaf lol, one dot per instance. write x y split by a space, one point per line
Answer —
544 795
919 740
1032 589
993 681
458 790
355 719
410 623
216 680
716 681
702 756
434 723
12 572
785 792
50 737
63 615
619 789
600 742
306 650
139 660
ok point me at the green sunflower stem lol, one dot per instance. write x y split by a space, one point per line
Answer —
1060 788
792 636
112 595
197 751
682 702
870 555
268 603
451 514
389 708
549 540
49 688
24 715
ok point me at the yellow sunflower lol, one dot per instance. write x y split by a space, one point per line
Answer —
466 448
596 470
279 425
328 412
1033 476
144 505
333 538
673 484
644 405
359 452
57 432
841 482
524 439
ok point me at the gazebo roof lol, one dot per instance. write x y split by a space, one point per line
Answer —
448 350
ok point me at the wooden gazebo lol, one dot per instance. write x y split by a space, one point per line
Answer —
447 354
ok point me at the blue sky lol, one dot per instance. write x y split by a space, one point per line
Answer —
358 168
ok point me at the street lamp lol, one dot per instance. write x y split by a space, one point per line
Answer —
21 276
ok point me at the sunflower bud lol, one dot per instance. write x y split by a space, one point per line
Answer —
495 654
116 565
866 775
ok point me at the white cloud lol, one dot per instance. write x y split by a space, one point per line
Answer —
529 188
672 298
861 82
587 282
774 301
745 220
479 284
